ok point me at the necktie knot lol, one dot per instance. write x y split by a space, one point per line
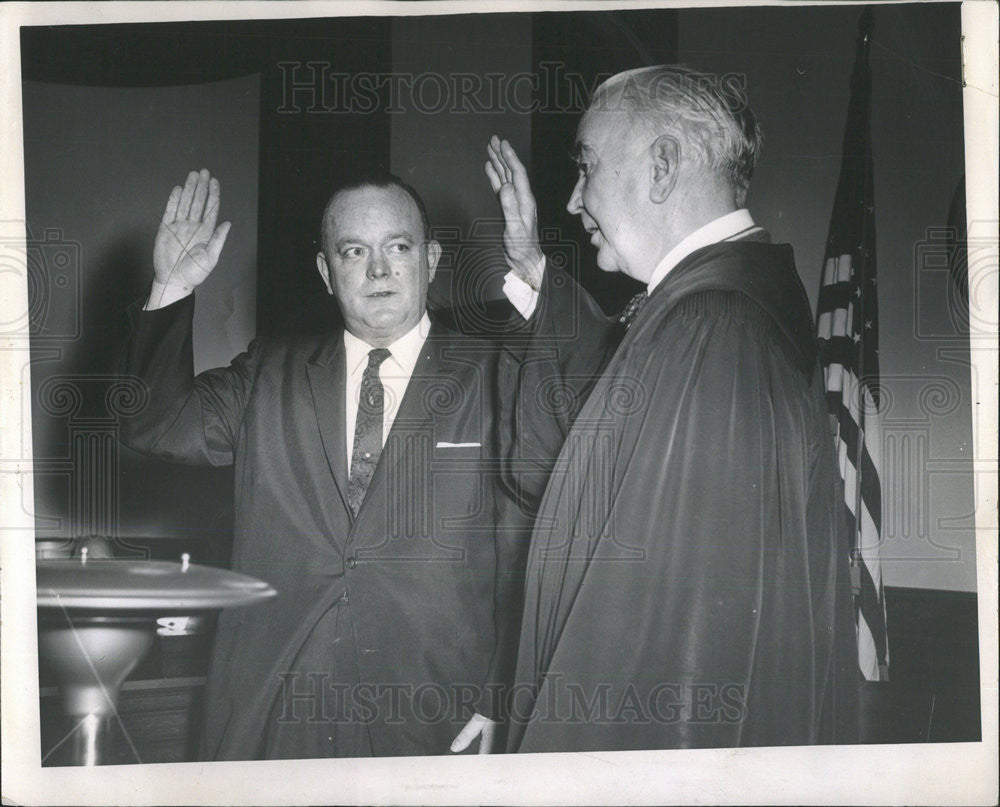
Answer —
376 356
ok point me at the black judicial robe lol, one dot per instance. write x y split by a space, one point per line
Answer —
687 583
391 627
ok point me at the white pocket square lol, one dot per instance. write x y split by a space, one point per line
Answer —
443 444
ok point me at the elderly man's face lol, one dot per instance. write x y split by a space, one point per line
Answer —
376 263
611 189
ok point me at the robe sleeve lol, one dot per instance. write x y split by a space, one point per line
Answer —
190 419
547 369
547 366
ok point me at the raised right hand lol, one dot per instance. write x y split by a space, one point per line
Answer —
509 181
188 243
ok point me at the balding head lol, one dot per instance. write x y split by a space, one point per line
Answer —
708 114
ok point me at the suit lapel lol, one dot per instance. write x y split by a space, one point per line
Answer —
326 383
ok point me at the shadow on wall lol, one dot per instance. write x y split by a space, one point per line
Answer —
99 164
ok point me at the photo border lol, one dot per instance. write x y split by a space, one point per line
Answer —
947 773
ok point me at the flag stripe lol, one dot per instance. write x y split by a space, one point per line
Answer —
871 490
838 349
849 434
867 655
836 295
871 605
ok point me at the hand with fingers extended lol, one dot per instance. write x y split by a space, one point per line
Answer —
188 243
509 181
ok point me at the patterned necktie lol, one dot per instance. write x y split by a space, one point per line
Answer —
367 431
631 310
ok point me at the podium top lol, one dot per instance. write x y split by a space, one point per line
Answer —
143 585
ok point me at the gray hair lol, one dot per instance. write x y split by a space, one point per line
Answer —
707 113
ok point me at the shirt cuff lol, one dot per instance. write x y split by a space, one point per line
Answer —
161 295
521 295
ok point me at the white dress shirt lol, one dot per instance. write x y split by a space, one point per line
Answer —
394 373
720 229
525 299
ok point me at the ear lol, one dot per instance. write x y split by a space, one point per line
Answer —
433 256
666 154
324 271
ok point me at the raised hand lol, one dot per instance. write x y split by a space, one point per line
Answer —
188 243
509 181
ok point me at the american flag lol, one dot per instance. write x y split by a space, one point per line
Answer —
847 327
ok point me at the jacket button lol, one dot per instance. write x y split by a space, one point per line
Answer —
351 563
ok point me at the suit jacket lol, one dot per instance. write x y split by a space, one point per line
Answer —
422 585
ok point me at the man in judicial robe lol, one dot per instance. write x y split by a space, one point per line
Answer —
364 494
687 583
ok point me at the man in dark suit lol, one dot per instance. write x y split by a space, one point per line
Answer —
363 493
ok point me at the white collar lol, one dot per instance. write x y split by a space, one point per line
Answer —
405 350
719 229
